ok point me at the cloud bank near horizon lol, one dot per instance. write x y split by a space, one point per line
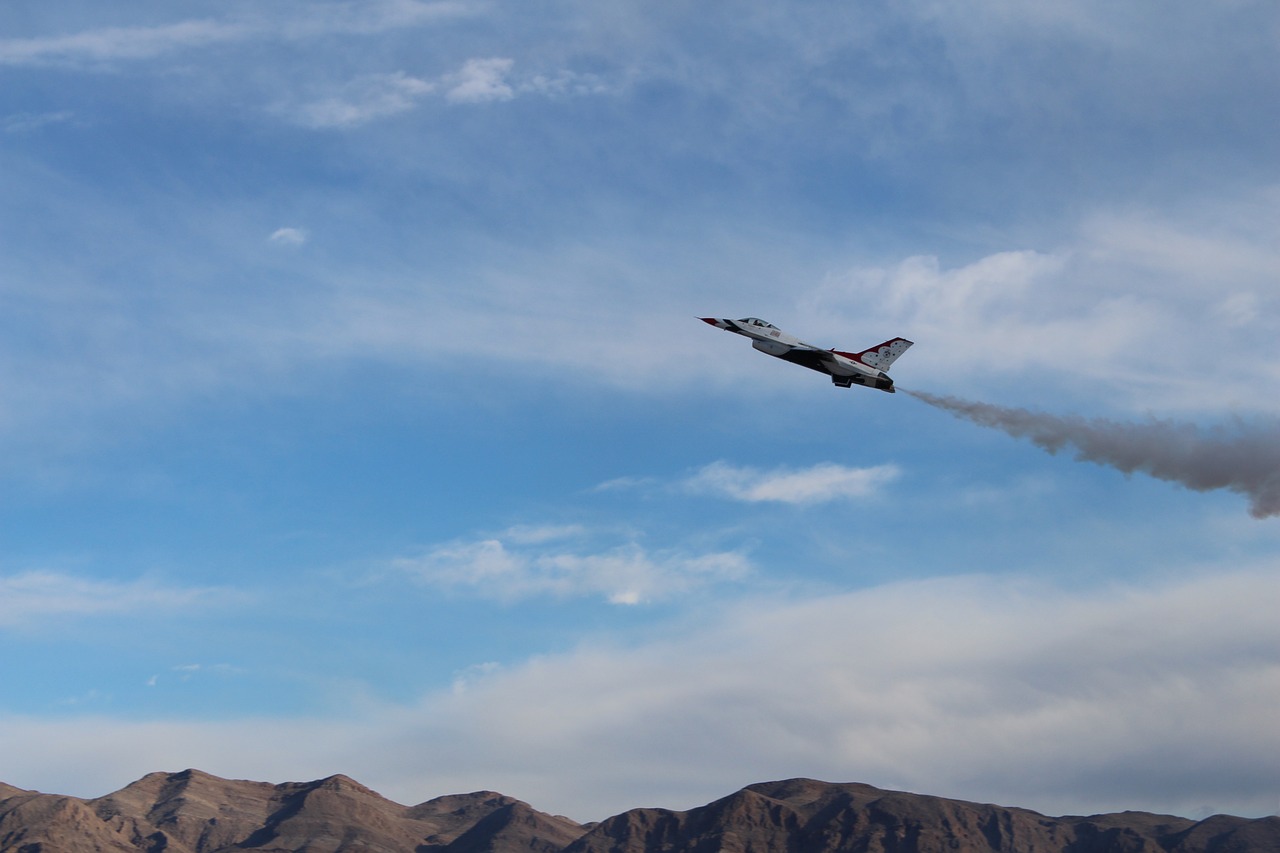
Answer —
993 689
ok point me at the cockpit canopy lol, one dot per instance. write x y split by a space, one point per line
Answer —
756 321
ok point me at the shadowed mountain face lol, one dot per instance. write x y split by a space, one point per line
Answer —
193 812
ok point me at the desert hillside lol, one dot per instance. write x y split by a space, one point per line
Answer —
194 812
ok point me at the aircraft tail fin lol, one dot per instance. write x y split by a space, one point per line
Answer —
881 356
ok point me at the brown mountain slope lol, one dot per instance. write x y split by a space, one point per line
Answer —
486 822
804 816
193 812
46 823
187 811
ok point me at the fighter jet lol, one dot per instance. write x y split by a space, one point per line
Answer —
846 369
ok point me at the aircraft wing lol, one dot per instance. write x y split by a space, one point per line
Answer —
809 356
814 352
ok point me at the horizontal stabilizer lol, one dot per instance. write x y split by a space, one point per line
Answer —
882 355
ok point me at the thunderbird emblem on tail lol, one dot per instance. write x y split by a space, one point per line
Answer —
846 369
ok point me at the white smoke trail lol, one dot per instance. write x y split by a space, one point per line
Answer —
1241 458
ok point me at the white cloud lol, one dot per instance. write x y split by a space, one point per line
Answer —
522 567
480 80
536 534
463 680
1100 316
288 236
36 597
377 96
1171 310
1159 696
1039 323
1239 309
370 18
365 99
988 316
818 484
624 483
117 43
976 687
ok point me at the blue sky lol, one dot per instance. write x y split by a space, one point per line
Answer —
355 416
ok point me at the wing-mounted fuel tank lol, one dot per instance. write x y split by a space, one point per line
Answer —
772 347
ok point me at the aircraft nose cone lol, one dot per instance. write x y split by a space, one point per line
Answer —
712 321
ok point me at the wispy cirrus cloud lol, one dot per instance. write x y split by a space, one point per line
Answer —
120 43
38 596
537 534
32 122
564 562
187 671
478 81
111 44
363 100
820 483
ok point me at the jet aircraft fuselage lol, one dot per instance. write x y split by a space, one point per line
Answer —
866 368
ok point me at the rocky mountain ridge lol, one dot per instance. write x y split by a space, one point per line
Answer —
195 812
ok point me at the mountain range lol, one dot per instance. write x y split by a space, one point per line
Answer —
195 812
